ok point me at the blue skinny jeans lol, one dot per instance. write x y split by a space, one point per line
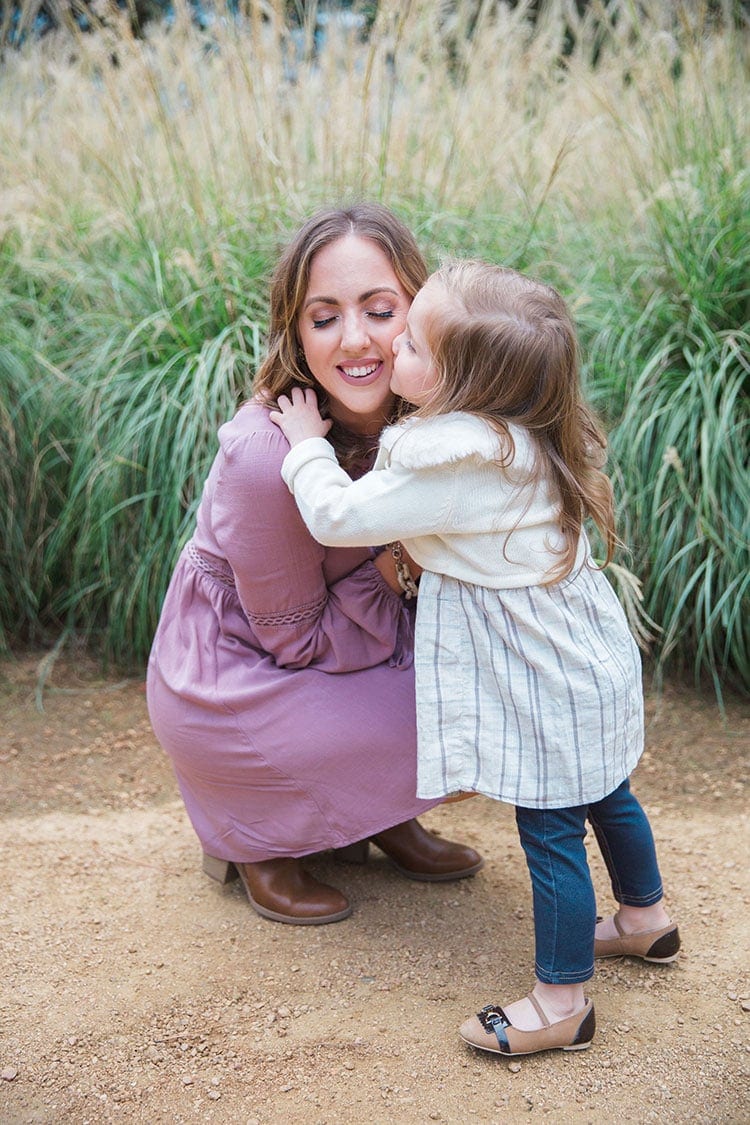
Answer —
563 893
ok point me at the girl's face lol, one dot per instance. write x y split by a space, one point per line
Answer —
414 373
354 308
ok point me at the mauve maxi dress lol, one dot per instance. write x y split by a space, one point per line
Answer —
280 680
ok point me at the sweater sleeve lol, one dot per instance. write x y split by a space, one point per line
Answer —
394 502
305 608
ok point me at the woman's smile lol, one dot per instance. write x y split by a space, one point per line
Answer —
362 371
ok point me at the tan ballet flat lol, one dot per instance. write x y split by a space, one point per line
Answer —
491 1030
660 946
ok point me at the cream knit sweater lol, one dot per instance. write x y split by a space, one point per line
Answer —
438 486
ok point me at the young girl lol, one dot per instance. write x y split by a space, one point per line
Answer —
528 680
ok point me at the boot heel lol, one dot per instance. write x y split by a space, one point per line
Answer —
222 870
353 853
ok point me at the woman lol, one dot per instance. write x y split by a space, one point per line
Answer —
280 680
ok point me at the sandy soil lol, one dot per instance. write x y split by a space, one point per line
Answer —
136 990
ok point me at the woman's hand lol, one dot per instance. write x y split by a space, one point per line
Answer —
299 417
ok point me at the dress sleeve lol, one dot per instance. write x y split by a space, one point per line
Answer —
306 608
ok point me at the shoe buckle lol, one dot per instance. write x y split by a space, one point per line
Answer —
490 1016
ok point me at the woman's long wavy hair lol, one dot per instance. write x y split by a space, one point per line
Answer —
284 366
505 348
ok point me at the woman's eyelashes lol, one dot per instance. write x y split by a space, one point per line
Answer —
376 314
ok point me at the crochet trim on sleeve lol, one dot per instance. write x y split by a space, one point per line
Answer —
215 568
289 617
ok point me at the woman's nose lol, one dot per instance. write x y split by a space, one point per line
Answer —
354 334
396 345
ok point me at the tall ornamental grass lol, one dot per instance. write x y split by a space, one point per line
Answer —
147 184
671 364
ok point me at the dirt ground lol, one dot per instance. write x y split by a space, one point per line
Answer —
136 990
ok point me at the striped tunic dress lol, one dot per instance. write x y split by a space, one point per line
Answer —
526 692
531 695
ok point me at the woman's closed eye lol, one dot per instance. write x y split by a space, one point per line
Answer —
375 314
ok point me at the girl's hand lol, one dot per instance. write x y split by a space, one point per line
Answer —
298 417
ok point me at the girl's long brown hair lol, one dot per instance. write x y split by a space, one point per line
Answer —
505 348
284 366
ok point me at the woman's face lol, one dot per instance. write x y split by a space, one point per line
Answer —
354 308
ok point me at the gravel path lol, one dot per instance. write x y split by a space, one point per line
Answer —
135 990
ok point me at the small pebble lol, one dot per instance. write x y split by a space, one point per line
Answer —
8 1073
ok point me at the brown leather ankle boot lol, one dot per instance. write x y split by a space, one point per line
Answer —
420 854
281 889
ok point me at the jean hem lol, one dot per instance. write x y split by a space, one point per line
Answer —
641 900
578 977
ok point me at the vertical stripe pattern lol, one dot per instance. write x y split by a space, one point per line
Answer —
530 695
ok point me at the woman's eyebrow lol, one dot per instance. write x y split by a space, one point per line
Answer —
323 300
380 289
